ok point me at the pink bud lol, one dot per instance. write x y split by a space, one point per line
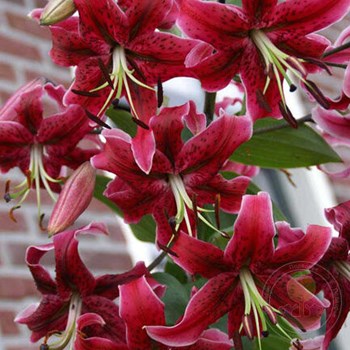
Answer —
76 195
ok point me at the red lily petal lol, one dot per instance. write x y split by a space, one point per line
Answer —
231 192
144 16
212 339
287 235
339 217
253 235
139 307
197 256
299 18
71 273
211 302
107 285
42 277
235 315
308 250
254 79
163 56
48 316
203 155
167 127
14 135
102 21
217 24
196 122
86 343
256 9
143 147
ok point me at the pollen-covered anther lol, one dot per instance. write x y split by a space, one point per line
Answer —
248 326
11 215
270 314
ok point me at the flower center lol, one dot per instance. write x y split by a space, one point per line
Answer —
276 65
36 174
256 309
118 78
68 335
184 202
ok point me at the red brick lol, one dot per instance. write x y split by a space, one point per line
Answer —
17 288
7 225
19 48
27 25
25 347
18 2
7 72
7 325
40 3
54 76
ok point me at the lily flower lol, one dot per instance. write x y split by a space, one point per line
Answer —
183 177
251 280
118 52
263 41
38 141
74 291
332 273
140 306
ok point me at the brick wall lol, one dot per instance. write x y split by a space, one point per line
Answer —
24 50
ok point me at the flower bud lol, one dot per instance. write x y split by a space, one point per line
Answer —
76 195
56 11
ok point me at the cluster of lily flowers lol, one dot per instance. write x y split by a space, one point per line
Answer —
259 276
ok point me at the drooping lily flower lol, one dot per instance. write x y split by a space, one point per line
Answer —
38 141
73 292
251 280
332 273
118 52
140 307
261 41
184 176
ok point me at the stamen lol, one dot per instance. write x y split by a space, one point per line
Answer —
262 101
12 217
115 103
291 319
217 208
97 120
248 326
194 206
317 94
42 228
297 344
140 123
159 93
85 93
265 334
105 73
270 314
287 115
318 63
167 249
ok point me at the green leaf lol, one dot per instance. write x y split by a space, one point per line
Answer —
175 298
144 230
123 120
284 147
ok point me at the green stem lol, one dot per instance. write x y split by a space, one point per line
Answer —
300 121
209 105
336 49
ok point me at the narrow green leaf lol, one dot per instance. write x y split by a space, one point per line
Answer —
284 147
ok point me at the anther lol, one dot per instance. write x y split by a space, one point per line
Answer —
287 115
85 93
159 93
317 94
292 88
167 249
105 73
136 68
270 314
265 334
28 175
140 123
41 219
11 215
297 345
97 120
115 103
217 210
248 326
262 101
292 319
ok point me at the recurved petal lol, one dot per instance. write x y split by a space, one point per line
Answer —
93 342
201 157
71 272
339 217
230 191
143 147
196 256
42 277
300 17
212 339
196 122
140 307
220 25
253 234
211 302
307 250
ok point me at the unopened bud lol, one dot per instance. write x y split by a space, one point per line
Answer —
76 195
56 11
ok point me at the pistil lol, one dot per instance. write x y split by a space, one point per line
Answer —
343 268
